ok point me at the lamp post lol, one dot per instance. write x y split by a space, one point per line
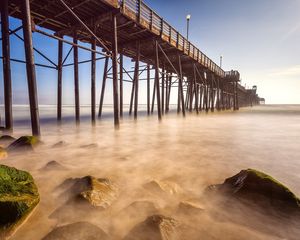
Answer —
221 61
188 17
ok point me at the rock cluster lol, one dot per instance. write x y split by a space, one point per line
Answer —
18 197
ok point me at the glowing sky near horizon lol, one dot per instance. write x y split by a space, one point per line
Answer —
259 38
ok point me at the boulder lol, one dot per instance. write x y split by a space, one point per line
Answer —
79 230
261 189
53 166
4 139
24 143
156 227
163 187
18 197
84 195
189 208
99 192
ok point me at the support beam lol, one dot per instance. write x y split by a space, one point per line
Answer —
93 82
121 85
59 80
148 89
180 87
163 91
136 80
76 80
115 71
103 87
30 68
196 89
6 65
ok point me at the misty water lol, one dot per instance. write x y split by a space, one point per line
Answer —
190 153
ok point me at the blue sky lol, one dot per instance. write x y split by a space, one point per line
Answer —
260 38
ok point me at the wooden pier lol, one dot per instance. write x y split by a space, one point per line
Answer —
114 29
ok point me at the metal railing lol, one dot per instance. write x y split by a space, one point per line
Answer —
144 15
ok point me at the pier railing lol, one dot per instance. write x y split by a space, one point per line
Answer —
145 16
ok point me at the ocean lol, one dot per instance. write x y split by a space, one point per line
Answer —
192 152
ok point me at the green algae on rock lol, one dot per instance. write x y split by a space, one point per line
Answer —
24 143
18 197
259 188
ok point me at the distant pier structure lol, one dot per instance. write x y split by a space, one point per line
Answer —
114 29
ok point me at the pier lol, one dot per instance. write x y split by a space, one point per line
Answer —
114 29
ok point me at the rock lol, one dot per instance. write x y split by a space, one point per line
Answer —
189 208
24 143
155 227
79 230
53 166
18 197
59 144
163 187
4 139
3 153
100 192
259 189
85 195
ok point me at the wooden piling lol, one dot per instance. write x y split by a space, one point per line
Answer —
167 93
163 90
121 85
30 68
6 65
181 86
59 80
153 97
148 89
115 70
93 82
136 80
76 79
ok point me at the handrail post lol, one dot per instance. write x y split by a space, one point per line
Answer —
151 20
139 2
161 26
124 5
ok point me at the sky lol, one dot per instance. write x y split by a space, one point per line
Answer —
259 38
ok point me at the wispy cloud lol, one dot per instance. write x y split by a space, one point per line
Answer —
284 72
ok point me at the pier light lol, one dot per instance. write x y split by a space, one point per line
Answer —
188 17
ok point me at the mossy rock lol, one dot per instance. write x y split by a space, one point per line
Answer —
24 143
79 230
18 197
261 189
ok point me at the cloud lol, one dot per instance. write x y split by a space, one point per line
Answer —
285 72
